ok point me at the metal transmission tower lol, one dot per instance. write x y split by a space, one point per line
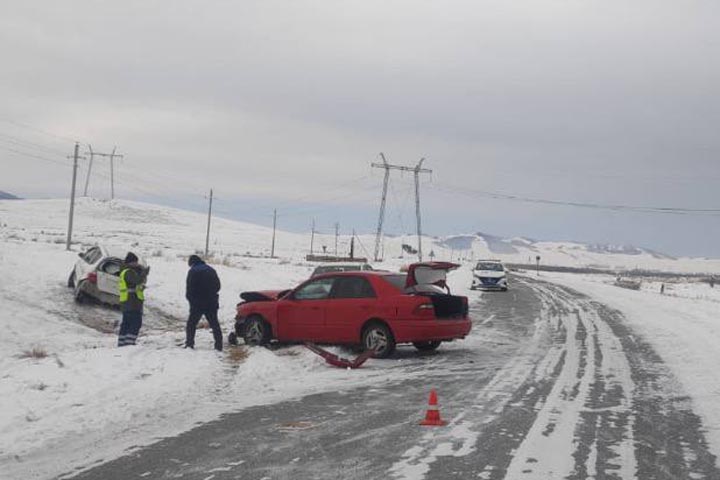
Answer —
112 156
416 170
378 235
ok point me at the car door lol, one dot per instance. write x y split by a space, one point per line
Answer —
108 274
352 301
301 315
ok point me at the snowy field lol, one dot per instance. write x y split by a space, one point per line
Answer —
683 325
66 389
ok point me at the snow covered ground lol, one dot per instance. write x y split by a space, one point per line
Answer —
682 325
66 389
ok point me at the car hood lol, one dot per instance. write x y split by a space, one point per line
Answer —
429 273
263 295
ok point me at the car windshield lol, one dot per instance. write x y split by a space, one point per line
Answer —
492 266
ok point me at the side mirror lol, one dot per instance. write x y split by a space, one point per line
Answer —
80 254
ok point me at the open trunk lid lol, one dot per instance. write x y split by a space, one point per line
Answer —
430 279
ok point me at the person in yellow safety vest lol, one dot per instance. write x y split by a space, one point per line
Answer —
131 284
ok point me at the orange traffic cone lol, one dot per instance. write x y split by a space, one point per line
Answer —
432 416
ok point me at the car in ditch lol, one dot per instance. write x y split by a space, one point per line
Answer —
95 275
489 275
376 310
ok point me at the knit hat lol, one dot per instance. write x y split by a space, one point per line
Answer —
130 258
194 260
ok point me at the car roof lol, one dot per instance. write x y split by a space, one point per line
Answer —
355 273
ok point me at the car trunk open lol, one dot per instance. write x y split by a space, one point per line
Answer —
430 279
449 306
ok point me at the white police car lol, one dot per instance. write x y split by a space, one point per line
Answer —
489 275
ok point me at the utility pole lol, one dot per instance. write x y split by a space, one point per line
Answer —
72 197
112 175
416 170
337 227
378 234
207 235
312 237
417 206
87 178
272 249
112 156
352 245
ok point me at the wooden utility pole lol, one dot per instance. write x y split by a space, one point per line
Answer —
72 198
312 237
337 227
272 248
207 235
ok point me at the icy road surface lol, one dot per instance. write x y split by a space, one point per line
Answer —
549 385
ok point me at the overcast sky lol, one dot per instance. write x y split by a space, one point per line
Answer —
286 104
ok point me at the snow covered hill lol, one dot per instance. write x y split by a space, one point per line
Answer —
571 254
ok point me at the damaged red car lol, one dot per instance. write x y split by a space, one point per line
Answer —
374 309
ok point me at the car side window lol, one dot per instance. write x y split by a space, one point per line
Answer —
113 268
92 255
315 290
352 287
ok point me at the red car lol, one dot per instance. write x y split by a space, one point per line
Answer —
374 309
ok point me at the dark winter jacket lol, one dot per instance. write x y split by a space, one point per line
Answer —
135 278
203 286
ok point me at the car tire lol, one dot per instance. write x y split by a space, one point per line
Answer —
79 295
71 280
232 338
378 337
257 331
428 346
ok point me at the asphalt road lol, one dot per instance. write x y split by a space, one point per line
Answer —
552 385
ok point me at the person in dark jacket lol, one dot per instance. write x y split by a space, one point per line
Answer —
131 284
201 292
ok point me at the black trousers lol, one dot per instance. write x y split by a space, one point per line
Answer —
129 328
196 314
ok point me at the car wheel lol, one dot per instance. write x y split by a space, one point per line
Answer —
79 295
232 338
378 337
71 280
257 332
427 346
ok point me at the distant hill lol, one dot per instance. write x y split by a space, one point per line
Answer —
8 196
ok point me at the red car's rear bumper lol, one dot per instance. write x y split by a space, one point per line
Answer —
421 330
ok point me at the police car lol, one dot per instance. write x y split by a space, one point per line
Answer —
489 275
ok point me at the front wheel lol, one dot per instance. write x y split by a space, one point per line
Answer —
379 338
257 332
427 346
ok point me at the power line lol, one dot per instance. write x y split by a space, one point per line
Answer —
598 206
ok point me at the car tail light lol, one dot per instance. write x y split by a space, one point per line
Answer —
92 277
425 309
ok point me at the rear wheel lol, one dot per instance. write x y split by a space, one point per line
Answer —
257 331
79 295
378 337
427 346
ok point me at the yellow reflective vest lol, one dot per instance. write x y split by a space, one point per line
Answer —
124 290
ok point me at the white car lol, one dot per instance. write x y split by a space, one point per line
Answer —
96 275
489 275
